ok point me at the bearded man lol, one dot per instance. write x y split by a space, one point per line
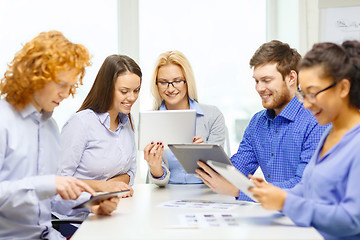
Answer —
282 138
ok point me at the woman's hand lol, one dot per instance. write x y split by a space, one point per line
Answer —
153 155
198 139
270 197
114 186
253 178
105 207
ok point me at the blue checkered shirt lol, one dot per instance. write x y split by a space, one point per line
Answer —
281 145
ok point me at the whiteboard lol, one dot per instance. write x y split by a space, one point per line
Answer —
339 24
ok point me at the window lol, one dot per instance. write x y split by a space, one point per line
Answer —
88 22
218 38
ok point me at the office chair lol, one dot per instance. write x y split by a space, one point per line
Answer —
64 226
227 142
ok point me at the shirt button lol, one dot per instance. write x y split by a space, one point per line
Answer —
268 175
272 154
275 131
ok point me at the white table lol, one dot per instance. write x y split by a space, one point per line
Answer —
140 217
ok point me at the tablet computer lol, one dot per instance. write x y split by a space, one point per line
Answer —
189 154
167 126
234 176
94 200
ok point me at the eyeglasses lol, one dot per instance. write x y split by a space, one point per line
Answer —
311 97
175 84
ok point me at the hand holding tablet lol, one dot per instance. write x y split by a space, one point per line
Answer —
95 200
189 154
234 176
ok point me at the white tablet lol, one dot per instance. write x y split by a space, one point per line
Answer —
189 154
167 126
94 200
234 176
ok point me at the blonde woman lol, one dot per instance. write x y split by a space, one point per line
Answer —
173 87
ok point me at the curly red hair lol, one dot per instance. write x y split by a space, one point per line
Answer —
38 62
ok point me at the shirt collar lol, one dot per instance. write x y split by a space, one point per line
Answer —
31 111
289 112
104 119
346 139
194 105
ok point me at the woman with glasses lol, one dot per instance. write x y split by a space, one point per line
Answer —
328 196
173 87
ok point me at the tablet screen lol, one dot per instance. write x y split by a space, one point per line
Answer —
168 126
94 200
189 154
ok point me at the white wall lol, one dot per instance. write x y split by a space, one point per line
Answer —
283 21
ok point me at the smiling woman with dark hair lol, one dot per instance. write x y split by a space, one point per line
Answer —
98 141
328 196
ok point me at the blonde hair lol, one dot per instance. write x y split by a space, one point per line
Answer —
177 58
37 63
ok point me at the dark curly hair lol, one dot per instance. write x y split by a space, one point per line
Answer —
338 62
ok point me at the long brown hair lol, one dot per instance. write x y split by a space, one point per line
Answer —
337 62
101 94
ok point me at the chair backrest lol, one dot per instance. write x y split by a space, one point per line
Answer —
227 142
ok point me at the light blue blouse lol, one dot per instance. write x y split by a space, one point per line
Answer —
328 196
29 152
90 150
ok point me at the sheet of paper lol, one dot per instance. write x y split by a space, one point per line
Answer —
339 24
199 204
225 219
204 220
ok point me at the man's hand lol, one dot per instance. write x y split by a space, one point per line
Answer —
216 182
71 188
